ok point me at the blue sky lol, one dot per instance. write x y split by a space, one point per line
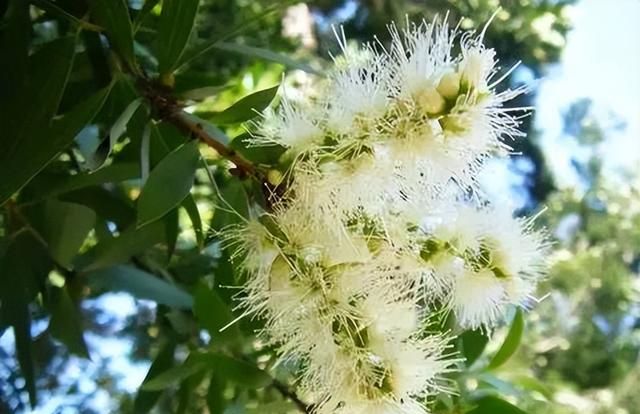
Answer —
601 61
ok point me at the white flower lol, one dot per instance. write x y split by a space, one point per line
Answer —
381 228
294 126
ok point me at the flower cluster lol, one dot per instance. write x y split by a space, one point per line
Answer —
382 228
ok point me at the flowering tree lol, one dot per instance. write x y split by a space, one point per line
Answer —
372 268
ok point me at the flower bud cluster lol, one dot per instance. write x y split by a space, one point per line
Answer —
381 229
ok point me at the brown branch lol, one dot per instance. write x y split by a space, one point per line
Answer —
291 395
196 130
166 107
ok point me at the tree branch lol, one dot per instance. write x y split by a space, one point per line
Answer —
166 107
291 395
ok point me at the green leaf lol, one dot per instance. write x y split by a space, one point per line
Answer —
246 108
66 322
266 54
175 27
49 70
146 10
22 269
145 400
120 249
191 208
232 205
267 154
140 284
65 229
14 43
109 205
215 394
174 375
511 342
473 344
214 315
118 128
242 373
168 184
203 48
494 405
19 167
171 229
533 384
113 173
113 16
213 131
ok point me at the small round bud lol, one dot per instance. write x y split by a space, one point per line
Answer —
167 79
449 85
274 177
431 101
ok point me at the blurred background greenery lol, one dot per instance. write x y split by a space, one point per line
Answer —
580 352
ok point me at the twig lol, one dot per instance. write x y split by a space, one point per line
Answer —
288 393
166 107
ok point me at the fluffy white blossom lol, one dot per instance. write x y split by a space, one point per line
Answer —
381 229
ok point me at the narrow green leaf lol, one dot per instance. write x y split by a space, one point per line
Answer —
215 394
203 48
191 208
533 384
242 373
171 229
23 164
118 128
120 249
140 284
511 342
174 375
169 183
113 173
214 315
145 400
246 108
266 54
66 322
175 27
267 155
494 405
148 6
473 344
14 43
233 205
108 205
66 227
213 131
113 16
23 268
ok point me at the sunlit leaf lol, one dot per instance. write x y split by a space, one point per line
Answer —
511 342
246 108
